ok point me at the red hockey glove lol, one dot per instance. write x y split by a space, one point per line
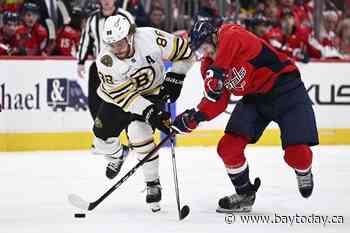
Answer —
214 84
187 121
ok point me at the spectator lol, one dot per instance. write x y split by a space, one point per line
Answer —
230 13
69 35
56 12
53 15
259 25
347 8
328 30
8 33
344 37
292 39
271 11
157 18
208 9
136 8
31 36
150 4
88 8
302 12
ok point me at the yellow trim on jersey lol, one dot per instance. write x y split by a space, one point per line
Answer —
182 48
174 48
118 98
121 86
133 97
128 99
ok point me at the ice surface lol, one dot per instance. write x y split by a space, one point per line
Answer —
34 189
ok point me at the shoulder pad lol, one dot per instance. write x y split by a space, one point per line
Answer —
107 60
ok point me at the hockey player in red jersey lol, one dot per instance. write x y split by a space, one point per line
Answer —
31 36
292 39
67 41
8 32
272 90
68 36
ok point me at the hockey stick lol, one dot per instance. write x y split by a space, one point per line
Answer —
185 210
79 202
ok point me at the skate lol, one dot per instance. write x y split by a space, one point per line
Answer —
305 183
239 203
154 195
115 165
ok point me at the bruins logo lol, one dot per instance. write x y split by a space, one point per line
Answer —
107 60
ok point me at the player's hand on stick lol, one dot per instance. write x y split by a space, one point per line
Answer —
214 84
188 121
157 118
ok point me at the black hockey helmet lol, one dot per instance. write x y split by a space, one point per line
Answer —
202 29
30 7
9 16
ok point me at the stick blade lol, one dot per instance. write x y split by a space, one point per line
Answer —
184 212
78 202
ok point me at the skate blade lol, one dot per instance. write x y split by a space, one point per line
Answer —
155 207
246 209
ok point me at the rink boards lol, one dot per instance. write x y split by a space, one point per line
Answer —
44 106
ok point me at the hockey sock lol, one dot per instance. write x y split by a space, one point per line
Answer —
241 181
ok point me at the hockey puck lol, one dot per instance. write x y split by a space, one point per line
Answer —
79 215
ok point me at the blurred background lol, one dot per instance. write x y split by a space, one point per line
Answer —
305 29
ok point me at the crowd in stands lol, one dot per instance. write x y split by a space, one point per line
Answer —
53 27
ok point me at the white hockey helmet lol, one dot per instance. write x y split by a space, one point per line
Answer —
116 28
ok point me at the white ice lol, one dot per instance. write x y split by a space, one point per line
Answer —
34 189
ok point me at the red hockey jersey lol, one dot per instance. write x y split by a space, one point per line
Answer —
33 40
250 64
6 44
67 41
298 41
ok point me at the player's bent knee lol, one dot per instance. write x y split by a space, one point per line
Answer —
111 147
231 149
298 156
143 148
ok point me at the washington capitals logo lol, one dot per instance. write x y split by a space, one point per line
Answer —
234 79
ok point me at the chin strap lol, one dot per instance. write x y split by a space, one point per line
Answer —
130 40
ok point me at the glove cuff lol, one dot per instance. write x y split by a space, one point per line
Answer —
216 73
173 77
199 116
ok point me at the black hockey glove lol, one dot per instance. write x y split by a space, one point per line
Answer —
171 87
157 118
